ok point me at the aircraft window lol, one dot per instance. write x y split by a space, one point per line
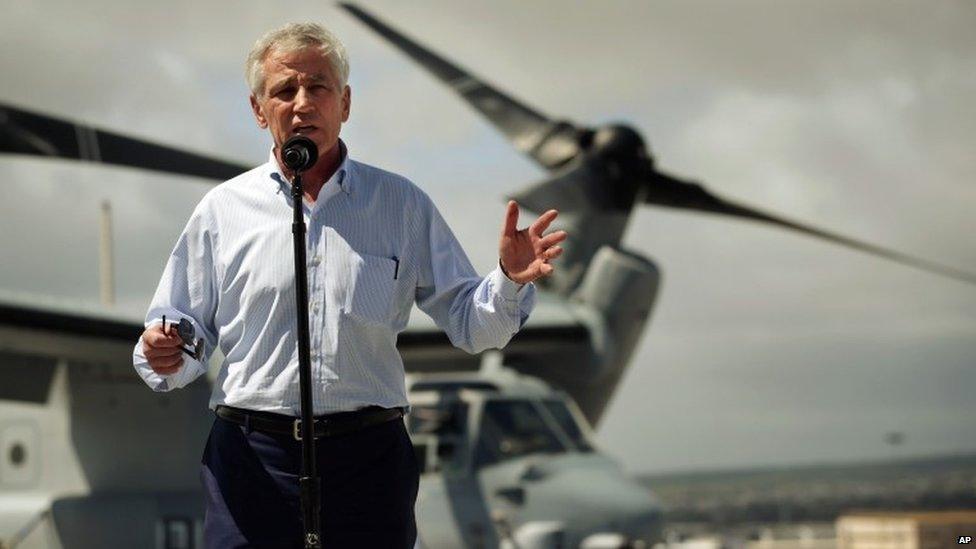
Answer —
445 450
442 425
25 377
511 429
17 454
568 424
443 418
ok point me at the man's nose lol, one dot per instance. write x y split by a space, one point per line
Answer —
303 100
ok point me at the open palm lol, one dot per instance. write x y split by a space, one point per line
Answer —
525 254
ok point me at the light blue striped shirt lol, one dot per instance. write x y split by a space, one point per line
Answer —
376 244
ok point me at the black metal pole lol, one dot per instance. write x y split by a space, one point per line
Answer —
309 481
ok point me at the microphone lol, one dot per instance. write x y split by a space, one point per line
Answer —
299 153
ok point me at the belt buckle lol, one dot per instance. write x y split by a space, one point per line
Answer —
297 430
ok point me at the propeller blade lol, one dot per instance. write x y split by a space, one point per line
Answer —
30 133
550 143
669 191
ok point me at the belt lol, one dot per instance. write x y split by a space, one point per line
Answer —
329 425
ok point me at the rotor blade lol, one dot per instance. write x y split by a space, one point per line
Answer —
548 142
25 132
665 190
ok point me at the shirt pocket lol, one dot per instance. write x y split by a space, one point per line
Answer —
373 279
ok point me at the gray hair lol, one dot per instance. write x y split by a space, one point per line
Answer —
294 37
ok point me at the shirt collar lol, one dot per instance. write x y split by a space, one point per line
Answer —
341 177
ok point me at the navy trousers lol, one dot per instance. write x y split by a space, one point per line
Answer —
369 487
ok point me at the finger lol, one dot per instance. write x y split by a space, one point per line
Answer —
169 361
553 238
552 253
542 223
161 341
167 370
154 337
546 269
156 352
166 362
509 228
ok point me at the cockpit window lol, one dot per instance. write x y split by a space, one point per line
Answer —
511 429
568 424
443 418
439 427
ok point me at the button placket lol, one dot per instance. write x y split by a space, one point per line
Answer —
327 367
314 295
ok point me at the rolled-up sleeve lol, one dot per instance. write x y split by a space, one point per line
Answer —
187 290
476 313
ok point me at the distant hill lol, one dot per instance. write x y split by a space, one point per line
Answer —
816 492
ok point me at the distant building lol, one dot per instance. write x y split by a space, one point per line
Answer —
906 530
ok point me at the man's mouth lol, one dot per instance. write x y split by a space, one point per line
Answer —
303 129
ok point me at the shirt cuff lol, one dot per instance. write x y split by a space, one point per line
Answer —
505 286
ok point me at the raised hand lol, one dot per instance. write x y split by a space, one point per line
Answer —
525 254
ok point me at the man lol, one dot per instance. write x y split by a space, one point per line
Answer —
376 244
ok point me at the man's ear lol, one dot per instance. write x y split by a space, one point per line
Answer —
258 113
346 102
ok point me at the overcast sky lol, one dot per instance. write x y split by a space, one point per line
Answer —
765 347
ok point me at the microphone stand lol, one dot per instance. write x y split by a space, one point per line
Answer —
309 483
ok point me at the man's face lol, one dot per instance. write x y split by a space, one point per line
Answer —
302 95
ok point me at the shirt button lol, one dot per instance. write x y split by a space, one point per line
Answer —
316 260
315 306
